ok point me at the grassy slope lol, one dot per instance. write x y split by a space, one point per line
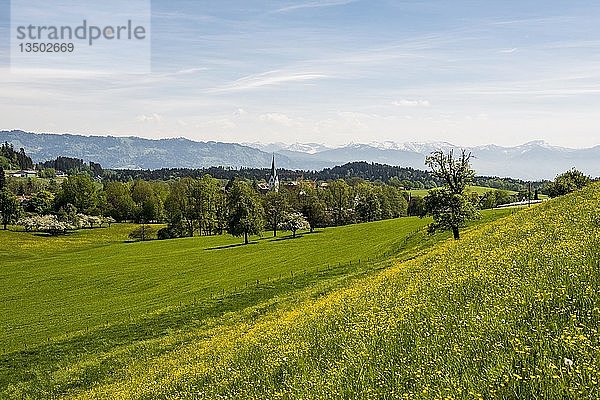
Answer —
77 281
502 313
58 285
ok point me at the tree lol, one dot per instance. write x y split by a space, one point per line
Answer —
24 160
45 223
80 191
148 206
339 201
313 207
89 221
245 211
275 206
41 202
68 214
294 222
449 211
206 194
119 203
367 203
392 198
10 208
221 212
567 182
2 178
143 232
456 173
416 206
179 208
12 159
449 206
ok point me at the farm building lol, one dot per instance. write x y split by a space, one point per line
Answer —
24 174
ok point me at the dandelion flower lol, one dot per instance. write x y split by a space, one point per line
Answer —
568 362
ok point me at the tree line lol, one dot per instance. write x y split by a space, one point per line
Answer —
206 205
13 159
69 165
405 177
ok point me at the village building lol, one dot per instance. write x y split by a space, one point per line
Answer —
26 173
274 179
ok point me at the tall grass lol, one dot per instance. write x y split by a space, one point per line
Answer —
510 311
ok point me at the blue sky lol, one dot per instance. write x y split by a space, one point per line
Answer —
337 71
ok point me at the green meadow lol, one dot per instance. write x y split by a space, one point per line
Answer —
92 294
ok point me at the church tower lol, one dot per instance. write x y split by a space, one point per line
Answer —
274 179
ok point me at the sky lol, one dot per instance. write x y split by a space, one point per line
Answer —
333 72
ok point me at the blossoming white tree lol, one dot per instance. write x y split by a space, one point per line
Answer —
294 222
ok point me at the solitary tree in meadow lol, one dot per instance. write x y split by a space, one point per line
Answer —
275 205
294 222
245 211
449 206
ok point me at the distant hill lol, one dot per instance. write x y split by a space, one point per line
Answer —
531 161
138 153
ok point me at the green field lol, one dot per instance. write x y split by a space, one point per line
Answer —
511 311
92 292
57 285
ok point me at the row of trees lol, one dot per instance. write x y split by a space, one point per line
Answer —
71 166
12 159
405 177
206 206
203 206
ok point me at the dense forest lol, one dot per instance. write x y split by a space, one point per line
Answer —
71 166
12 159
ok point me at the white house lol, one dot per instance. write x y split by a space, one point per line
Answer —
27 173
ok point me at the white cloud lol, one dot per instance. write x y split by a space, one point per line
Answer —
270 78
314 4
189 71
278 118
240 112
151 118
411 103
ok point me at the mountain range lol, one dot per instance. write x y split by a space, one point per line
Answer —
533 160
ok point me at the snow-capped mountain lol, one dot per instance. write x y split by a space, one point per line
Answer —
308 148
423 148
532 160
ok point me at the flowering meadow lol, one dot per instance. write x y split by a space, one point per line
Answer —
510 311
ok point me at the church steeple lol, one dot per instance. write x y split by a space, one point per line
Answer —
274 179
